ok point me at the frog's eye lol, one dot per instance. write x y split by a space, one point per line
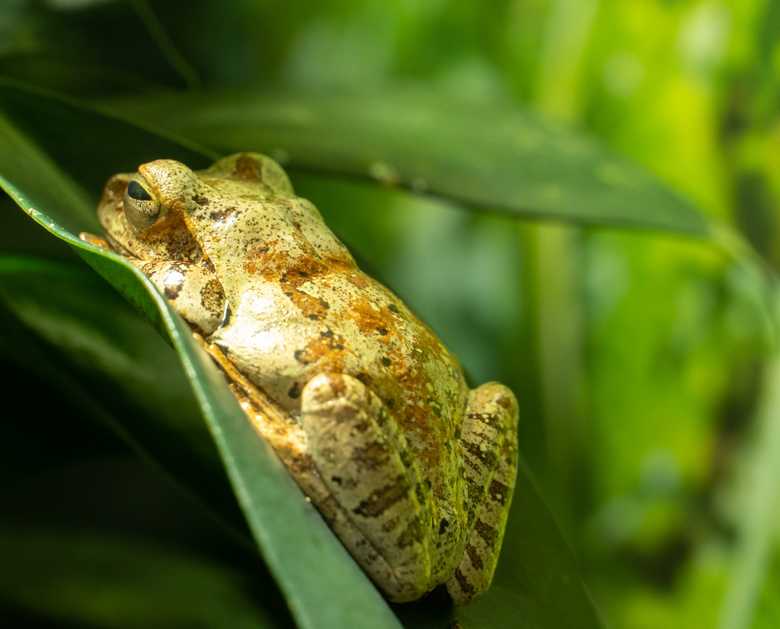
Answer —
141 208
137 192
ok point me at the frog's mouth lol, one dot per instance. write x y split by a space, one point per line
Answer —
118 247
118 237
110 215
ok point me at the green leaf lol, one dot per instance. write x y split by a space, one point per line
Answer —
757 525
99 352
284 525
101 580
479 155
165 44
90 47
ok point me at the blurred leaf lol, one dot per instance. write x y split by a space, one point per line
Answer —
88 47
98 351
168 49
758 521
284 525
111 497
100 580
479 155
65 419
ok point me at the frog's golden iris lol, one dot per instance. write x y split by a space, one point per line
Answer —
361 401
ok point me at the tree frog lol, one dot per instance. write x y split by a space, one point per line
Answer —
363 404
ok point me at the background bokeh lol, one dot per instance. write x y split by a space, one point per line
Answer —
641 361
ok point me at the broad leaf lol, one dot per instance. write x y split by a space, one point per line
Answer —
479 155
758 524
95 349
90 579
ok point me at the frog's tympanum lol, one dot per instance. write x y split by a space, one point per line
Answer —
360 400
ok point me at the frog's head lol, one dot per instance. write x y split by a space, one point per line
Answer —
141 212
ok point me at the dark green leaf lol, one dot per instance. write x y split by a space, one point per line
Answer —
100 580
758 524
89 47
98 351
164 43
484 156
537 583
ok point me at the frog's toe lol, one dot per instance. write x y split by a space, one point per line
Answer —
489 448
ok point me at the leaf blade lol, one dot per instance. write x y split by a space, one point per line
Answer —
757 525
480 155
156 586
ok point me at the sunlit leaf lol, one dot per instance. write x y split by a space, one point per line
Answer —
758 525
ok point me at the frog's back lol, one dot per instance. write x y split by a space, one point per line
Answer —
301 307
318 317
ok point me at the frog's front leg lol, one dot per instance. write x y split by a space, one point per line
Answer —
366 464
192 289
488 443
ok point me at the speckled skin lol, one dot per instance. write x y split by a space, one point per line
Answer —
362 402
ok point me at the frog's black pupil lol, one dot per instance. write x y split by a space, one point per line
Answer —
136 191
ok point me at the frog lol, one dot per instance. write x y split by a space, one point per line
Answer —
370 413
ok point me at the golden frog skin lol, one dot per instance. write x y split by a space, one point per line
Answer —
360 400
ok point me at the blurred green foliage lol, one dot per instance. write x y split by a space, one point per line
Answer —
640 360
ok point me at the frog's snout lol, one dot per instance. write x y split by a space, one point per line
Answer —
170 181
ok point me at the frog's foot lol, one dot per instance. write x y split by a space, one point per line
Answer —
365 463
488 444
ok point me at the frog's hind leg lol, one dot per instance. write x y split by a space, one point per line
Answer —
347 457
488 444
364 460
